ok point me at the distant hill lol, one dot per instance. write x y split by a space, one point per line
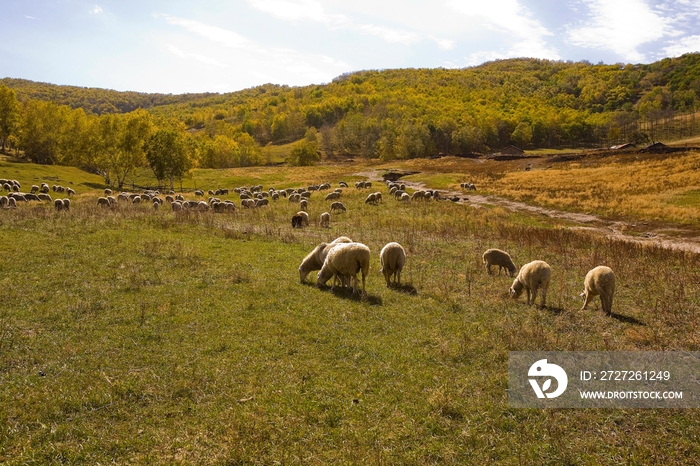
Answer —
404 113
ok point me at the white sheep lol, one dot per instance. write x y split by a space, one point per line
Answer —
332 196
392 258
405 197
315 259
103 201
501 259
532 277
325 220
345 260
599 281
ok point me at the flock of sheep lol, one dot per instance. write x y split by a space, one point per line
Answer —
342 259
37 193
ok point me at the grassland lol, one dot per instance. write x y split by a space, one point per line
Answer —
134 336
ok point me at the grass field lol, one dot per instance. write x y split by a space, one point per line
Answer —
134 336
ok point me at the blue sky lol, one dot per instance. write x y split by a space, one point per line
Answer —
178 46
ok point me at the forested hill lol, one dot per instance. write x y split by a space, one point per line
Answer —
406 113
92 99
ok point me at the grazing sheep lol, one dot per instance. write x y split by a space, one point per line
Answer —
11 202
34 189
103 201
202 206
345 260
392 258
305 218
325 220
315 259
405 197
176 206
338 206
599 281
501 259
371 199
58 204
3 201
44 188
297 221
343 184
70 191
66 204
112 201
108 192
199 192
304 204
532 277
44 197
262 202
419 195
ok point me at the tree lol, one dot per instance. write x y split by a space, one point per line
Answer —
305 152
41 127
169 154
522 135
249 151
9 113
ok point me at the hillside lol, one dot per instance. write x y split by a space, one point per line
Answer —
411 113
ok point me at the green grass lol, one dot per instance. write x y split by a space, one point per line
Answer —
133 336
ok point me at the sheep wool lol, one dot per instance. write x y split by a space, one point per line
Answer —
345 260
315 259
532 277
599 281
501 259
392 258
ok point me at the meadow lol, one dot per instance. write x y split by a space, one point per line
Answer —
136 336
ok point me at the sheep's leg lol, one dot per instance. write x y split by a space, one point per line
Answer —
535 289
488 268
398 279
528 295
544 295
586 300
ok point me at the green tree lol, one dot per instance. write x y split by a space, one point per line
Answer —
9 113
522 135
169 154
41 128
305 152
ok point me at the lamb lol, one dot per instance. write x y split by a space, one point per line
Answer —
501 259
315 259
599 281
325 220
345 260
338 206
392 259
532 277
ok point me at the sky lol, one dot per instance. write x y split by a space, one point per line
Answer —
177 46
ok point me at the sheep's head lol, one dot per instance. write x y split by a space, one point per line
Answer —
516 289
512 270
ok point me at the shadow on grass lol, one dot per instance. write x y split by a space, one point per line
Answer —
346 293
626 319
405 288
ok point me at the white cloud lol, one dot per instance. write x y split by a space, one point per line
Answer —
685 45
295 10
213 33
194 56
97 10
32 18
621 26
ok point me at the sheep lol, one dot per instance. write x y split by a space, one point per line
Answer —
392 259
3 201
405 197
332 196
599 281
112 201
345 260
304 218
338 206
371 199
103 201
34 189
66 204
176 206
532 277
262 202
304 204
202 206
199 192
11 202
108 192
297 221
501 259
315 259
343 184
325 220
419 195
70 191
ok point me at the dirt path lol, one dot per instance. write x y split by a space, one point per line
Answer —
639 232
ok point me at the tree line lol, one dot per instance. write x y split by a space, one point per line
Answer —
384 114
